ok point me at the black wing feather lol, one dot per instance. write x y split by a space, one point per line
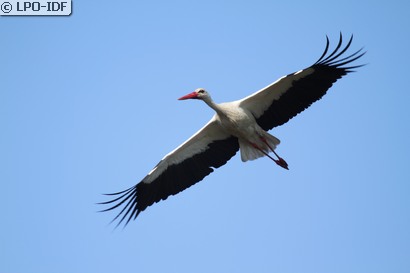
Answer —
311 88
173 180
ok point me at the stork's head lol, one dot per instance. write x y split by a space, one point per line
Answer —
199 94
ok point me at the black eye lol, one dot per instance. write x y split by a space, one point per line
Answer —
201 91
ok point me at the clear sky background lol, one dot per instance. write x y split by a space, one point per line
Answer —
88 105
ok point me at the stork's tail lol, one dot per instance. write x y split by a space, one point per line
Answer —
248 150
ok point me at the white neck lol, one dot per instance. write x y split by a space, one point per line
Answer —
208 100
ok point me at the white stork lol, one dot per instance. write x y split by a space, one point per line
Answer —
241 124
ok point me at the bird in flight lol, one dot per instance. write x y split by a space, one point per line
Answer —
237 125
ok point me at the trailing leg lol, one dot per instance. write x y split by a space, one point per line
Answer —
280 161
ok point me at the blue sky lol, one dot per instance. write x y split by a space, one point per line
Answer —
88 105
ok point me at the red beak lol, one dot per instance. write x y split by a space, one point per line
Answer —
192 95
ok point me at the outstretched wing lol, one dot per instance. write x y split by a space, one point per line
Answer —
211 147
277 103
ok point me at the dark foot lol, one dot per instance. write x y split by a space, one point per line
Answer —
281 162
